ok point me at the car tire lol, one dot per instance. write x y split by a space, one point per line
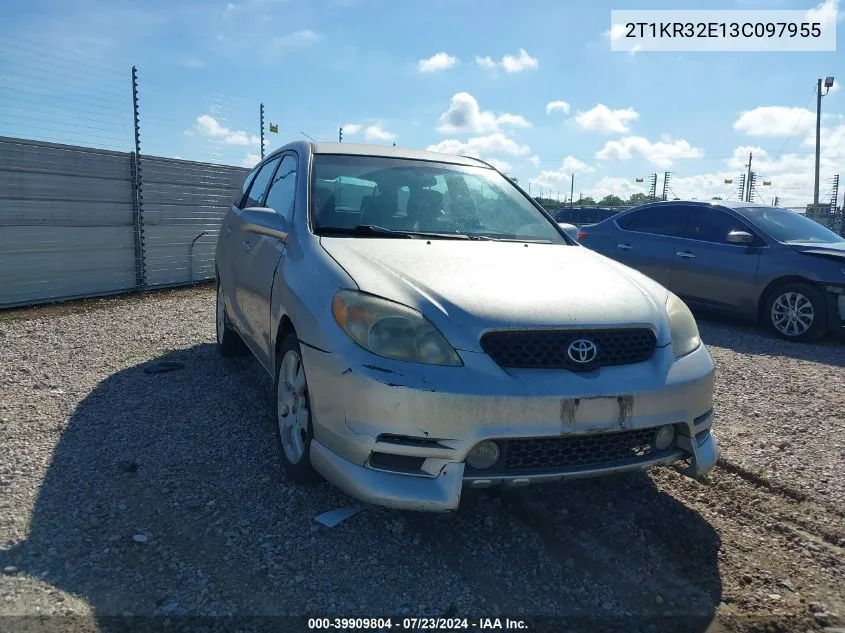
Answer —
229 342
294 430
788 307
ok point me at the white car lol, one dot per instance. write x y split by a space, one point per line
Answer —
430 328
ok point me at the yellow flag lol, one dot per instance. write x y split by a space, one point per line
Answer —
274 127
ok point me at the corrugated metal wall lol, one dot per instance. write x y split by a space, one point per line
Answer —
67 224
183 205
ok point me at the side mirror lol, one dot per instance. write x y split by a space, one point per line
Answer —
265 221
740 237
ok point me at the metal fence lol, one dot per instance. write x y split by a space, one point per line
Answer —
79 222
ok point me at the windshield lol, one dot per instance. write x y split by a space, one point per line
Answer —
790 227
404 196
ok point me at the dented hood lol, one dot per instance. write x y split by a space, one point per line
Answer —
465 288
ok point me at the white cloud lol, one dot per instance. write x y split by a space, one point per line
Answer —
464 115
557 106
535 160
435 63
207 125
486 62
615 32
775 121
375 134
515 120
352 128
501 165
521 62
825 13
603 119
250 160
661 154
510 63
569 166
491 144
609 185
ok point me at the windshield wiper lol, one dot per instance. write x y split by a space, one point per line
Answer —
490 238
372 229
364 229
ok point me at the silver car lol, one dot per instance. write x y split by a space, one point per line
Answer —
429 327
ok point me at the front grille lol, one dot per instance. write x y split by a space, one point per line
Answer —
547 349
574 451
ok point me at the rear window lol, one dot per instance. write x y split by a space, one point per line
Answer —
663 220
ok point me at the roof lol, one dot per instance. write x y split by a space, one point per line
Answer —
730 204
359 149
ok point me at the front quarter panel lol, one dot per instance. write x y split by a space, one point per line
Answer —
784 261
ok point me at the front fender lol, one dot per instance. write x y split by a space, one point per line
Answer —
304 285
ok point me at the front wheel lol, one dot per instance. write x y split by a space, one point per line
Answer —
796 312
294 430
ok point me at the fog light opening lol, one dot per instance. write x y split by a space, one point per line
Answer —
484 455
665 437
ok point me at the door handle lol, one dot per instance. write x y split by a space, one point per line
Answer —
624 247
247 245
685 254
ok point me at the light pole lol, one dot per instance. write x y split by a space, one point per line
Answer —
828 84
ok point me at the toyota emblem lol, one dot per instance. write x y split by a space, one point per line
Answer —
582 351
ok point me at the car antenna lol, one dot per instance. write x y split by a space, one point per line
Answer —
310 137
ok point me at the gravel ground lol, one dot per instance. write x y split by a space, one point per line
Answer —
124 493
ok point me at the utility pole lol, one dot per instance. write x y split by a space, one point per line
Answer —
665 185
828 84
571 190
340 134
652 190
747 182
261 117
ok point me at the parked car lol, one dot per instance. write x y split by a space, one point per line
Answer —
401 302
746 259
570 229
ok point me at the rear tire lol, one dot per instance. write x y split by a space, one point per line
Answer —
796 312
229 343
294 430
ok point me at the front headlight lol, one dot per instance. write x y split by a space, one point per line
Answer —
391 330
685 337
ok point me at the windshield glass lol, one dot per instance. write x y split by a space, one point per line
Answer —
421 197
790 227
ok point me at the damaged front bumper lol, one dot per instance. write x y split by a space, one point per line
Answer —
397 434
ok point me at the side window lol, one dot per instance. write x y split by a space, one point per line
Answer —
668 220
283 188
240 201
712 225
259 184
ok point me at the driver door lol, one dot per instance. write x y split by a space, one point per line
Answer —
263 256
240 244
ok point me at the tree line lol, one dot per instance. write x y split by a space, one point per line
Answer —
609 200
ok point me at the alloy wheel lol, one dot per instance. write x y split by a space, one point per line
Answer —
292 406
792 314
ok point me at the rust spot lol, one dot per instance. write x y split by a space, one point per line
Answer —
567 410
626 410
